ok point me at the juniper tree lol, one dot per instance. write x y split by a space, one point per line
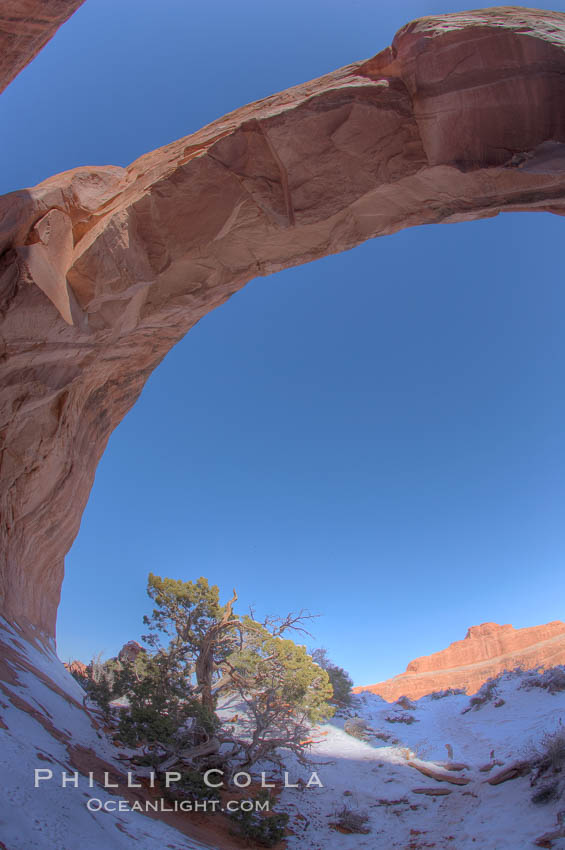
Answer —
201 632
200 648
283 690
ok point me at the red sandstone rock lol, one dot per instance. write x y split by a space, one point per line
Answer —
103 269
78 668
486 651
514 771
25 27
130 651
439 774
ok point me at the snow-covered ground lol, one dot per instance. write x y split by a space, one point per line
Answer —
376 777
43 721
43 725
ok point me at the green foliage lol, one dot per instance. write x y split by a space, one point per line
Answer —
198 648
190 786
266 830
101 693
340 680
282 674
283 689
184 610
341 683
201 632
111 679
160 703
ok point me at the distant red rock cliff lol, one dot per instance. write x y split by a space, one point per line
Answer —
487 650
77 668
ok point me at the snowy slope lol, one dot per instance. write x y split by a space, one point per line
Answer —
40 704
41 708
376 777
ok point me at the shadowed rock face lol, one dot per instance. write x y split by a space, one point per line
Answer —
488 650
25 27
103 269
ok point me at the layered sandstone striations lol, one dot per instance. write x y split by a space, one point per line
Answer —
103 269
486 651
25 27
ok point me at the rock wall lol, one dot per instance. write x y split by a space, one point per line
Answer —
486 651
25 27
103 269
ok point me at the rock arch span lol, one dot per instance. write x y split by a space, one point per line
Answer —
25 28
103 269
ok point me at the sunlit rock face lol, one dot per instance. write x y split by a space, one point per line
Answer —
25 27
103 269
486 651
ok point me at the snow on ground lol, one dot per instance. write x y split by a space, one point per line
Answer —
51 817
45 720
375 777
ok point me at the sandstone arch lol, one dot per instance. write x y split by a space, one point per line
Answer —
103 269
25 27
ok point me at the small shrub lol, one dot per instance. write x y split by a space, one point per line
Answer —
191 786
548 761
401 718
485 694
154 718
552 750
546 793
401 801
552 680
382 736
101 693
406 704
357 728
351 820
266 830
449 692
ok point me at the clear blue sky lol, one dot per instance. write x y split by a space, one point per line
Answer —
378 436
